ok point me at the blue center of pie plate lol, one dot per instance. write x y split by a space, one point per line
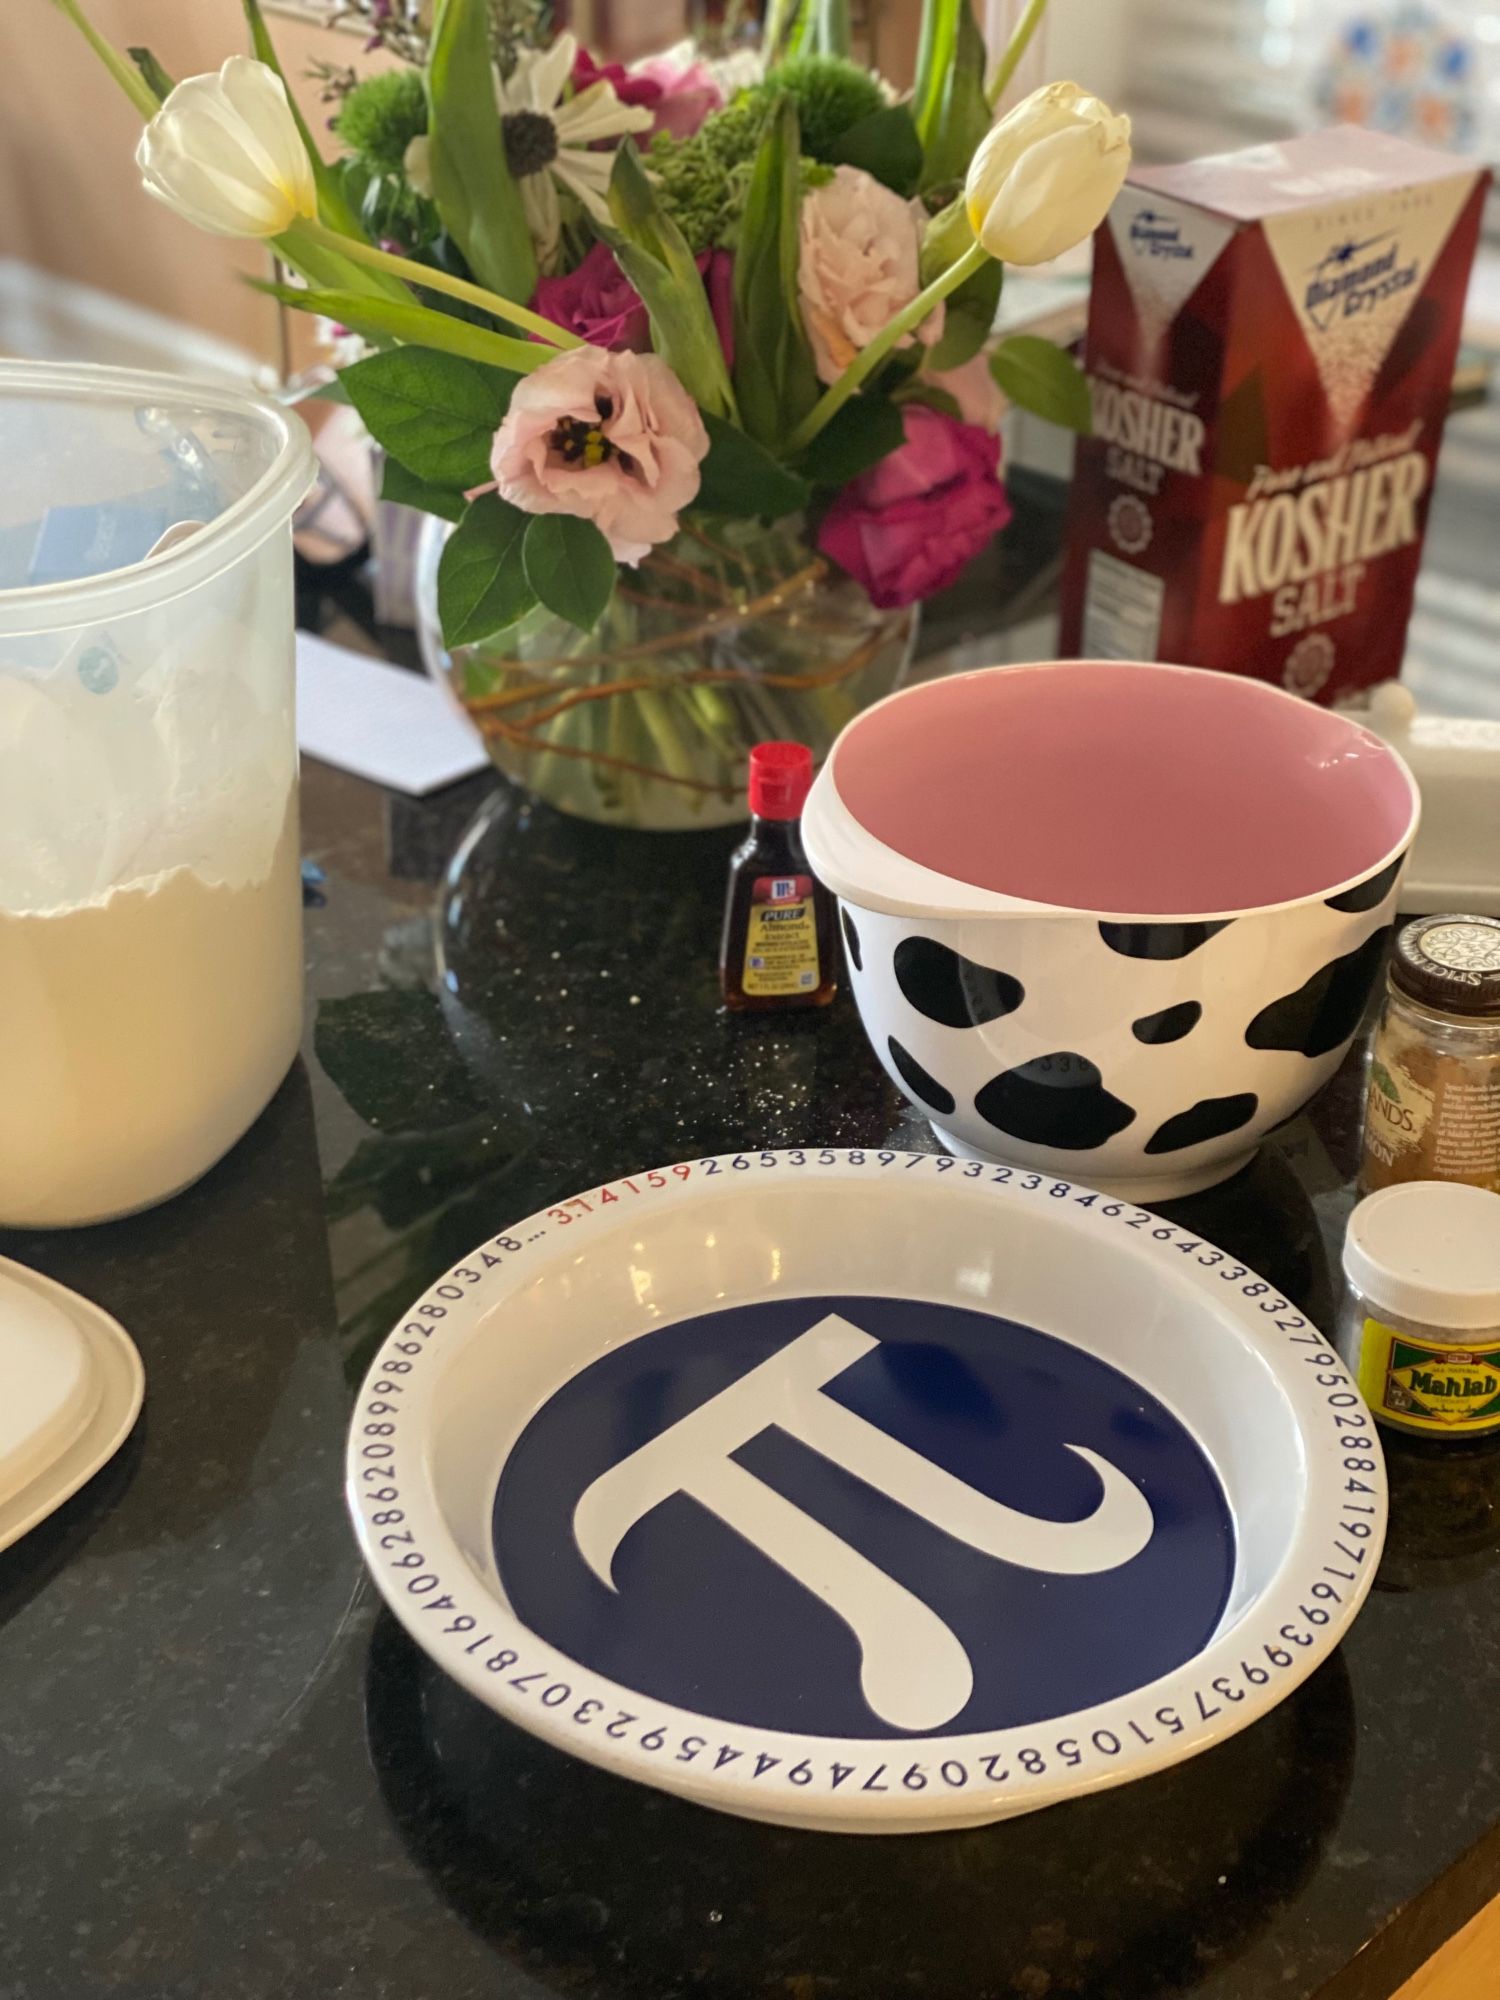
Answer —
863 1517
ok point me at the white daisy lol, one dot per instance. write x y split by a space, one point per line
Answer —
548 138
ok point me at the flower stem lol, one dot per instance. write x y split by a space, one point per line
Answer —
869 358
134 85
433 280
1010 62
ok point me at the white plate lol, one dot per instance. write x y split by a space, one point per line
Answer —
75 1385
865 1490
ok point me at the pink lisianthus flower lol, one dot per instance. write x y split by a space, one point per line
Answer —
599 303
689 93
612 438
630 87
908 527
858 264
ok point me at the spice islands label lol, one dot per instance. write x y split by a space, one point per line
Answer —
1422 1386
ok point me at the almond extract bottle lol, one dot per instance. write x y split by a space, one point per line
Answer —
779 929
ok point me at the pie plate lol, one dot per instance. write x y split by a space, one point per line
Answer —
865 1490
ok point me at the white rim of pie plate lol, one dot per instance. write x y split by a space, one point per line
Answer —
891 1785
122 1390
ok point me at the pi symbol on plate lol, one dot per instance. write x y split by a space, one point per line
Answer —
863 1517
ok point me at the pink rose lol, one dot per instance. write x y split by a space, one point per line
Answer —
597 302
629 88
909 525
688 93
858 264
975 391
717 267
613 438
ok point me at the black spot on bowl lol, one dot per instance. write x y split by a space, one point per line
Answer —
1209 1118
1325 1010
1370 894
951 989
1170 1025
1056 1100
917 1080
1159 940
851 940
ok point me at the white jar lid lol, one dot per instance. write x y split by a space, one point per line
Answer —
1428 1251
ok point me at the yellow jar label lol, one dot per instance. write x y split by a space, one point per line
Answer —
1426 1387
781 943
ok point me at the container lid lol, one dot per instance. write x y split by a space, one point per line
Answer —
101 464
74 1384
1428 1251
1450 962
781 776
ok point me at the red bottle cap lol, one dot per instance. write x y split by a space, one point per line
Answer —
781 776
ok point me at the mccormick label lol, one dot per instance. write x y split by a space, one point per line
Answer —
1270 352
781 943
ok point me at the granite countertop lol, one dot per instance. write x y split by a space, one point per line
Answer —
225 1770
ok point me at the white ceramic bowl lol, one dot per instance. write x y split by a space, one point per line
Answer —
1150 1048
869 1491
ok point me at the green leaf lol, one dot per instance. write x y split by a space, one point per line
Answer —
472 184
408 491
156 79
936 45
884 144
1380 1076
383 320
482 583
437 413
333 209
970 318
653 253
570 566
933 397
780 18
775 381
866 430
740 477
829 32
962 110
1043 378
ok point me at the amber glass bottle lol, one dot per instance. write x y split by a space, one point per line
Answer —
778 949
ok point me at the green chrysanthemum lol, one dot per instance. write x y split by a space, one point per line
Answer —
381 117
831 95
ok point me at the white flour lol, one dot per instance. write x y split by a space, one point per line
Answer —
141 1034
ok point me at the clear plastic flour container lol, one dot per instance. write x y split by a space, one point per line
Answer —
150 893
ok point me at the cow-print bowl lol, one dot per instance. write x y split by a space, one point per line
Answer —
1149 1057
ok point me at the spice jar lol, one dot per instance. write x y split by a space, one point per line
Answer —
1421 1327
1433 1109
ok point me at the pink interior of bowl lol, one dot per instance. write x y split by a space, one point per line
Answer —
1131 790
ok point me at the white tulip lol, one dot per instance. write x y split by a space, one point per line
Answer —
1043 177
416 164
225 152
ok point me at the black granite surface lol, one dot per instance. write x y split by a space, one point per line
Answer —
225 1772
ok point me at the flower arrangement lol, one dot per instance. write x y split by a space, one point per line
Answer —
603 308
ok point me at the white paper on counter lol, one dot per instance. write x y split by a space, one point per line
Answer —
379 721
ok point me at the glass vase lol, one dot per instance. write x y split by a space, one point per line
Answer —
728 635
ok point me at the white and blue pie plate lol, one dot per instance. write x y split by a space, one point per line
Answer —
868 1491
